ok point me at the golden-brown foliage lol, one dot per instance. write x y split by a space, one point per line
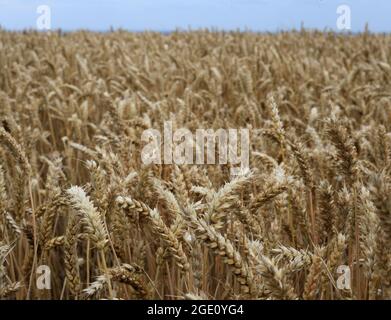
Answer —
76 196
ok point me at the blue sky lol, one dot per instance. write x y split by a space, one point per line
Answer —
165 15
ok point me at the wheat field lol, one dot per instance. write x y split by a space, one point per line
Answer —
78 203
